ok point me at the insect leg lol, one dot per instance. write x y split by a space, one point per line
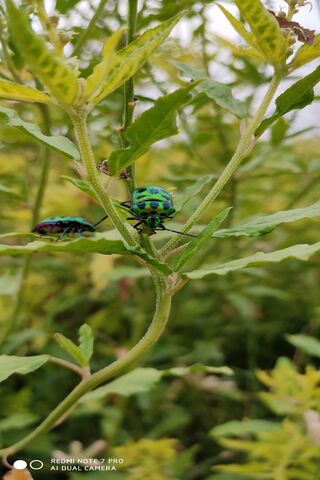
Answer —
64 233
80 233
125 204
127 209
162 227
100 220
137 224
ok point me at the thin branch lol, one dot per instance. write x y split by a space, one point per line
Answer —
129 102
69 365
86 33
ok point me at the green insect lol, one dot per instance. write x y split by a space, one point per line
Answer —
151 206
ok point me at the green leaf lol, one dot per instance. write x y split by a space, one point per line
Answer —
306 53
266 30
105 243
130 272
309 345
96 80
56 76
17 421
219 92
143 379
197 243
15 91
278 131
247 36
58 143
153 125
10 364
235 427
85 187
9 192
298 96
262 225
191 191
72 349
86 340
131 58
302 252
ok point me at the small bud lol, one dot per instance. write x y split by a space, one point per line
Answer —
103 167
132 104
282 14
65 36
54 20
289 52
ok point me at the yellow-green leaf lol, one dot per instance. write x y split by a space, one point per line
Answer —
238 26
96 80
266 30
128 60
306 53
238 51
15 91
53 72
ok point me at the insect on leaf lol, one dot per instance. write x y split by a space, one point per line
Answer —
72 349
219 92
10 364
58 143
197 243
128 60
15 91
96 80
105 243
86 340
265 29
153 125
302 252
56 76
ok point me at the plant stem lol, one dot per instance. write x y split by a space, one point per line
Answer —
233 164
129 92
163 304
8 59
85 34
50 28
66 364
80 125
12 321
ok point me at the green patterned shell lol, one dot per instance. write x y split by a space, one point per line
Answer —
142 194
151 202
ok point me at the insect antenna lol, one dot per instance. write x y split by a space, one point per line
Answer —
100 220
175 231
